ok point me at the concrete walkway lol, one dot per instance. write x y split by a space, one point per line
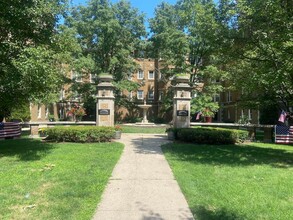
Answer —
142 186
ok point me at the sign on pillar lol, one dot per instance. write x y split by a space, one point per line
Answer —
181 102
105 101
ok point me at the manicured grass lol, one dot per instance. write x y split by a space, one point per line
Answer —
143 130
251 181
53 180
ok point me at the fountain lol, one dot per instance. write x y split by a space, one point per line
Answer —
145 108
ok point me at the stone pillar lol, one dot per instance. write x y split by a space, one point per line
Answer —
181 102
105 101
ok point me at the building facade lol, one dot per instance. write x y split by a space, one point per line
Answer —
153 88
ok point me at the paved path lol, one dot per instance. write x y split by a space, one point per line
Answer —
142 186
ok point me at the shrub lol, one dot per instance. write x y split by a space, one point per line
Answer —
211 135
80 134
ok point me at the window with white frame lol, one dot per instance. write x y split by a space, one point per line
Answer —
92 78
47 112
130 95
161 95
140 94
151 74
249 114
129 77
39 111
76 76
62 94
229 96
216 98
151 95
140 74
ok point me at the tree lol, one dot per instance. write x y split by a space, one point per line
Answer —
260 56
110 34
28 65
110 37
186 37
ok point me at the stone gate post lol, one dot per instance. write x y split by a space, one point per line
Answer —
181 102
105 101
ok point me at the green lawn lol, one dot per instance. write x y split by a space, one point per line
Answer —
53 180
252 181
143 130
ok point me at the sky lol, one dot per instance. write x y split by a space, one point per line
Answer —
145 6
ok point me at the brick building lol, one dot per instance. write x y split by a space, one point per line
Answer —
153 87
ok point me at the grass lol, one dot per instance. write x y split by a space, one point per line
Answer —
53 180
251 181
143 130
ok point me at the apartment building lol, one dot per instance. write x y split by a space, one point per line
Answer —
153 88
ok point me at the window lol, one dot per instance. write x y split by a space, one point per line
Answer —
151 95
47 113
39 111
140 74
249 114
92 78
161 95
62 94
216 98
76 76
151 75
130 95
229 96
140 94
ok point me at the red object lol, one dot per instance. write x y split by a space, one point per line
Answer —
208 119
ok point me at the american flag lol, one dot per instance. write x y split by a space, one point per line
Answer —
284 134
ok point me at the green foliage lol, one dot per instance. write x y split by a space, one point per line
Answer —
260 49
225 182
28 64
108 34
80 134
54 180
211 135
21 112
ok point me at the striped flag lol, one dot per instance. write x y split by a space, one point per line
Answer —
198 115
283 134
282 117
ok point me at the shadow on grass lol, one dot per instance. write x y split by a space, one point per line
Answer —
233 155
203 213
25 149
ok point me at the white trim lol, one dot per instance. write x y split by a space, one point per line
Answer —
249 114
92 78
229 96
153 73
39 106
153 95
138 94
130 95
138 74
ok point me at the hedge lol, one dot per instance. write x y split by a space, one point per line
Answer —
211 135
80 134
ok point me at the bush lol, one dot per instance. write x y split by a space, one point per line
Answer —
211 135
80 134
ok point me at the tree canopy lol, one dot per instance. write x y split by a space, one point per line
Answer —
28 61
249 43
